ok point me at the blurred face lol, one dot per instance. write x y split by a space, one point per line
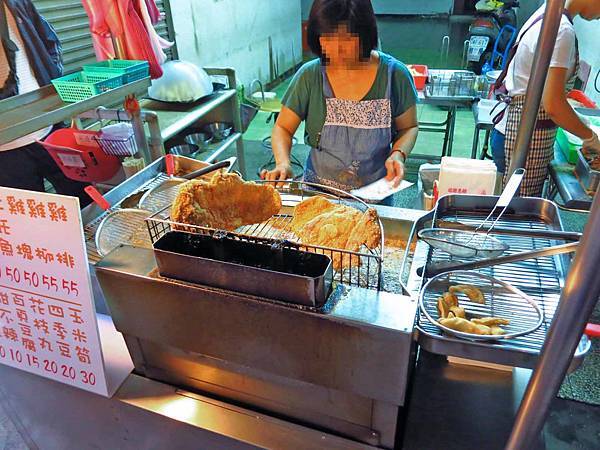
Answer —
591 10
340 47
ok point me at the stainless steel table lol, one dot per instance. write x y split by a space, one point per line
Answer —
448 125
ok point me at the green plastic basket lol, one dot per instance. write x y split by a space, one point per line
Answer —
81 86
131 70
568 148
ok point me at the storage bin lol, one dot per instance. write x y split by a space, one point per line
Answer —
81 85
420 80
131 70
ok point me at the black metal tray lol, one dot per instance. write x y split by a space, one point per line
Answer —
268 271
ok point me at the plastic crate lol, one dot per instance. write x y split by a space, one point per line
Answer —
570 144
81 86
568 147
131 70
421 79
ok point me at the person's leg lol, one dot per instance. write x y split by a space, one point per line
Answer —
497 141
19 170
50 170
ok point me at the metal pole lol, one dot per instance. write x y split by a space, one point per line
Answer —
537 81
576 305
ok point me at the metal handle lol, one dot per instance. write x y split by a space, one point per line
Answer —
506 197
546 234
435 269
198 173
511 188
97 197
170 164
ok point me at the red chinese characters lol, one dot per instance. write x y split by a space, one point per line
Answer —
4 227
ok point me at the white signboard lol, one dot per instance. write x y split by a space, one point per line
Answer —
48 321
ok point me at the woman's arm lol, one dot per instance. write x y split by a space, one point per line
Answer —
281 140
407 127
558 108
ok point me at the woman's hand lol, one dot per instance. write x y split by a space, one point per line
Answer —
592 144
395 168
281 172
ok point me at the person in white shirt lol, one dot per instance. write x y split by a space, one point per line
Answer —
555 110
24 164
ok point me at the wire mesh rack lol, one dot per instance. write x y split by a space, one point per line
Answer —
118 147
362 268
541 279
456 84
91 228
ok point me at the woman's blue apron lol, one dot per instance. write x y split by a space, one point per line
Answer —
355 141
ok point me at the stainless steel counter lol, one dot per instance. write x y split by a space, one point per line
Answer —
345 370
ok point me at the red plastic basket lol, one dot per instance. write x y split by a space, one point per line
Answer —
420 80
79 156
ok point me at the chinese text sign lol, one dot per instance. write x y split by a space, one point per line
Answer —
47 317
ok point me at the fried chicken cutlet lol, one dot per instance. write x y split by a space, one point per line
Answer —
225 202
317 221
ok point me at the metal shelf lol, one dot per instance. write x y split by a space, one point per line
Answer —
214 153
174 117
26 113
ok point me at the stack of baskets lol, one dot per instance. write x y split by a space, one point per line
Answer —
98 78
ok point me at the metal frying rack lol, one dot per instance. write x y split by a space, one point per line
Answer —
89 230
542 278
365 267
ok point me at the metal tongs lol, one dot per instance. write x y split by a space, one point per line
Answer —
164 194
469 244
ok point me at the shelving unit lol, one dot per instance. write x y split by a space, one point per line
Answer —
222 106
35 110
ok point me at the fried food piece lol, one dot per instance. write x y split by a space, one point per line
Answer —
474 294
308 209
497 331
336 226
225 202
446 303
465 326
450 299
442 308
491 321
457 311
365 232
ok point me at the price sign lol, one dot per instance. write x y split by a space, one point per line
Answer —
48 321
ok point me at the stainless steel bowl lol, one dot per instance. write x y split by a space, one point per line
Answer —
202 140
219 130
184 149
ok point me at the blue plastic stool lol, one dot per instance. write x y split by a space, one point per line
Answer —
501 56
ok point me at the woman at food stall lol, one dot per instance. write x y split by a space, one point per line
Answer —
358 104
555 110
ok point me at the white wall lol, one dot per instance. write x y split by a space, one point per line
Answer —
528 7
408 7
306 4
236 33
589 36
416 7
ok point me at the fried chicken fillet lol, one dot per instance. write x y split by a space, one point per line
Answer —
225 202
317 221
